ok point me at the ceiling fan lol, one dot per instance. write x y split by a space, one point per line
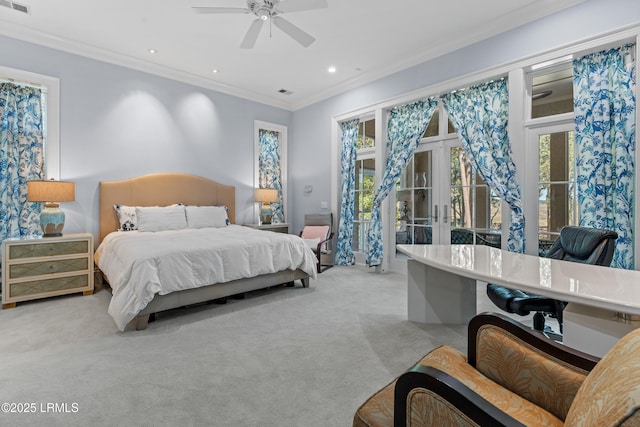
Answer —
270 10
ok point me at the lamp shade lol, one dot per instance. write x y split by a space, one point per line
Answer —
266 195
51 191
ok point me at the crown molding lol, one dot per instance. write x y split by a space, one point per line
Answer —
18 32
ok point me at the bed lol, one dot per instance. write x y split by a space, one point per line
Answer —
131 305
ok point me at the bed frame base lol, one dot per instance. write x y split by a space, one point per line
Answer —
218 290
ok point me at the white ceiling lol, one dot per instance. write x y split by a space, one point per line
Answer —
363 39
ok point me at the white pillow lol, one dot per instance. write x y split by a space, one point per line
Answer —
161 218
207 216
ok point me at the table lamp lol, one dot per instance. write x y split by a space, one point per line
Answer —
266 196
51 193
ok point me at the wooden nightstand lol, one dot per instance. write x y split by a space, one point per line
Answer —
278 228
45 267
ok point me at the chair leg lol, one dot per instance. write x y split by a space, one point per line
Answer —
559 309
538 321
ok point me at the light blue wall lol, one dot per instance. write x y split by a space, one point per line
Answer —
310 149
117 123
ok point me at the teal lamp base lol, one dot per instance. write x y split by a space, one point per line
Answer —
52 220
266 214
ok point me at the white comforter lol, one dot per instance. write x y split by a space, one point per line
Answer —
140 265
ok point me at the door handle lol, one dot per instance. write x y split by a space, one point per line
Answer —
435 213
445 214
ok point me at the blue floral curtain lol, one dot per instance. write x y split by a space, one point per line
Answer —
344 245
21 158
480 115
269 175
604 107
405 128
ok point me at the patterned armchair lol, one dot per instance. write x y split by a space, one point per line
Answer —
513 376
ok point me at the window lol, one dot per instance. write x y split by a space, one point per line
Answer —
551 142
552 93
365 183
366 135
270 165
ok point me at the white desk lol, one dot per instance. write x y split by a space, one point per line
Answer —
442 289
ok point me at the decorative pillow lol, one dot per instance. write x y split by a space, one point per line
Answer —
320 232
207 216
126 217
161 218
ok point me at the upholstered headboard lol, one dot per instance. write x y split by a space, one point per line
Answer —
162 189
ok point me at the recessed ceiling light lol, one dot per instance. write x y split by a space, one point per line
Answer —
332 69
214 71
152 51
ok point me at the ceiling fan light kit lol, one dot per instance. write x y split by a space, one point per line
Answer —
270 10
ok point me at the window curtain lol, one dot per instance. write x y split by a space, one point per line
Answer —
344 245
604 108
405 127
480 116
269 175
21 158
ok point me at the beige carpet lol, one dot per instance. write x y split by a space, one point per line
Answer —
281 357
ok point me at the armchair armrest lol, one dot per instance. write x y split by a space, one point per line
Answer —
459 397
322 242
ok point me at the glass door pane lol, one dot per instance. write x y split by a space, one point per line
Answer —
365 187
414 201
557 197
475 210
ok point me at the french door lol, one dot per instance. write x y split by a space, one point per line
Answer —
441 199
423 196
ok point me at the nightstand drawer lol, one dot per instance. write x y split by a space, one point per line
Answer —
34 250
35 287
47 267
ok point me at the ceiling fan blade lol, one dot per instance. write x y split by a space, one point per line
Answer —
300 5
207 9
252 34
296 33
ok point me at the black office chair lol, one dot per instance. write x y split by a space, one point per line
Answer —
576 244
